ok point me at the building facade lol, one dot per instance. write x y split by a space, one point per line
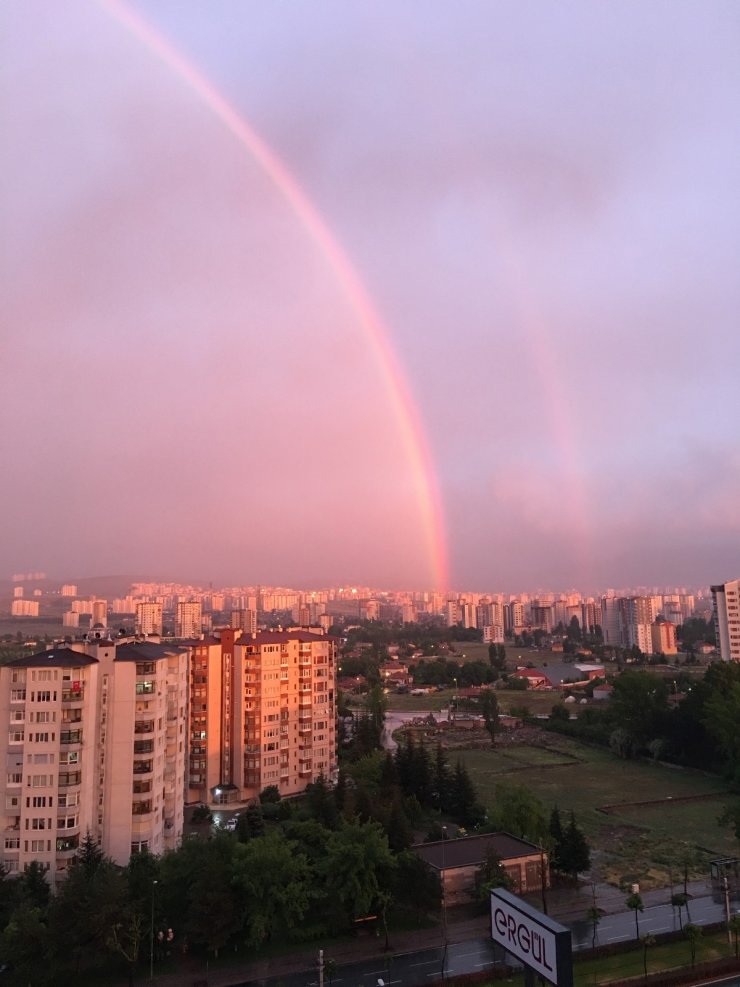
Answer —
262 713
95 742
726 612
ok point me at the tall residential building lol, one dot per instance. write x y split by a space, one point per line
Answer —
69 589
663 635
611 621
262 713
637 618
726 608
99 613
148 618
244 620
189 619
95 741
24 608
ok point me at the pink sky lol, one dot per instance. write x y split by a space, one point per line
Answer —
541 204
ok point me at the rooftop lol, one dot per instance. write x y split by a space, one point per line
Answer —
470 851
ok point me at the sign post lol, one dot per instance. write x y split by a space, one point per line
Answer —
541 944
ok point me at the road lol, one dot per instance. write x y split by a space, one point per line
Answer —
417 968
394 719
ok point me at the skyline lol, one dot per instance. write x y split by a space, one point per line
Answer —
537 204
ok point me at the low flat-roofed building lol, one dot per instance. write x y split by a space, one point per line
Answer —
457 862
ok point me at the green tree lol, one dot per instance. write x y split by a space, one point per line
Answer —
734 928
680 901
491 874
693 934
415 885
273 882
635 903
575 854
721 717
358 865
648 940
33 886
555 831
593 916
321 802
490 712
26 945
518 811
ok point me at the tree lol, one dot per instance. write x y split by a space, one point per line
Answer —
693 934
647 941
518 811
273 882
270 795
33 885
680 901
358 865
593 915
575 854
26 945
634 901
416 885
555 830
489 709
734 927
321 802
491 874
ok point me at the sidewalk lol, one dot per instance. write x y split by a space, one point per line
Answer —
563 904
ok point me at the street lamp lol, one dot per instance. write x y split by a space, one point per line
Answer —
444 888
151 936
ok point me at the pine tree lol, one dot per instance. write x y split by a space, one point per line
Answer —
556 832
575 851
442 780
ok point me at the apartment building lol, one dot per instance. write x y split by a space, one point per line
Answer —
189 619
262 713
95 741
148 618
726 611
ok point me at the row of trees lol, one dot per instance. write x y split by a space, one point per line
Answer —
299 880
700 730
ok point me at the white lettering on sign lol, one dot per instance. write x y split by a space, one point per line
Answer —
521 937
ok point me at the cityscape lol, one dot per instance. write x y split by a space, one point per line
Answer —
369 543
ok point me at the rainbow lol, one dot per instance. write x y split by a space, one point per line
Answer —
397 388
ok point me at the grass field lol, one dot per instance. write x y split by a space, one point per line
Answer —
647 843
588 971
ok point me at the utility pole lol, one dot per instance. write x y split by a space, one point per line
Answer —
321 968
151 936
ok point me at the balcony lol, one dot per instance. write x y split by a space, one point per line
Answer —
67 846
67 737
68 779
141 808
144 726
143 767
143 747
73 695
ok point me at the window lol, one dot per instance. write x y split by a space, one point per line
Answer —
12 801
39 781
15 737
37 846
38 822
15 777
12 843
43 696
17 695
37 802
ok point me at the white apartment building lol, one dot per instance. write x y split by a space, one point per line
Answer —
148 618
189 619
95 741
726 609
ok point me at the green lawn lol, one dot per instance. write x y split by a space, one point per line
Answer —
433 701
588 971
645 844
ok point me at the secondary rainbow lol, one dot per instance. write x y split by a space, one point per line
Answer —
397 388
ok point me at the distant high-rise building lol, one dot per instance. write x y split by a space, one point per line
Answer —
69 589
99 613
663 635
24 608
149 618
611 621
726 609
637 618
189 619
244 620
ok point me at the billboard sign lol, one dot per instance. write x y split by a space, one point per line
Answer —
537 941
